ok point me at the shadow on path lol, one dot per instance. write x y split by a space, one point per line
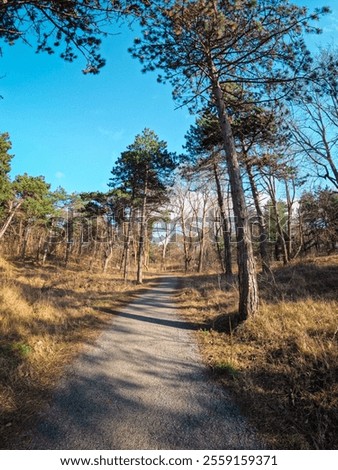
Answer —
170 323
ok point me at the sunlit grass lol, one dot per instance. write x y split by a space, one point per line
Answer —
46 315
281 364
285 357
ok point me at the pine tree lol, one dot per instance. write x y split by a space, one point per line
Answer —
213 49
5 168
144 171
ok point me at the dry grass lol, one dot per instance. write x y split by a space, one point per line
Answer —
46 315
281 364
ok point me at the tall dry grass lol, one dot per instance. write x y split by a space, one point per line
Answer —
46 316
281 364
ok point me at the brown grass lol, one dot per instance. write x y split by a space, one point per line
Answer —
47 315
281 364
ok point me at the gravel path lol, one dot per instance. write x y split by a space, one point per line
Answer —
142 386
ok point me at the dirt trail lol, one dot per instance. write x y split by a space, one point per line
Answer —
142 386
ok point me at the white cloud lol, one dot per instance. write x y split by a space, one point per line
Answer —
59 174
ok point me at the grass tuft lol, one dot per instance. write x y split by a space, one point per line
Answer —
225 369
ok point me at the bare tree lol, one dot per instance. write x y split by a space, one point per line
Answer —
315 124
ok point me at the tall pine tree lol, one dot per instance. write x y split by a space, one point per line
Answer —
144 172
215 49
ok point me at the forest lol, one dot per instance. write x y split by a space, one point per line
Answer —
246 216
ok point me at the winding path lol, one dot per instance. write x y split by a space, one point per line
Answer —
142 386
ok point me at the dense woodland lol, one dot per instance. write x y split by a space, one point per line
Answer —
257 182
190 222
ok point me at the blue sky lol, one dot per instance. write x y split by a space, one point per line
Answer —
71 128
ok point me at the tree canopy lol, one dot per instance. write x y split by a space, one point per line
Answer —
145 163
245 44
72 26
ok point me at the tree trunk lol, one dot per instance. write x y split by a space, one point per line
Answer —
93 255
142 233
328 151
26 234
126 257
164 253
248 288
289 203
20 237
126 249
69 237
280 231
38 249
202 242
107 256
263 236
108 251
80 245
219 250
164 249
186 245
12 212
225 225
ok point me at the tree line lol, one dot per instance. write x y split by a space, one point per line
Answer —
265 131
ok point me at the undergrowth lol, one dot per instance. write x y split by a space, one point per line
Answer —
47 314
282 363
